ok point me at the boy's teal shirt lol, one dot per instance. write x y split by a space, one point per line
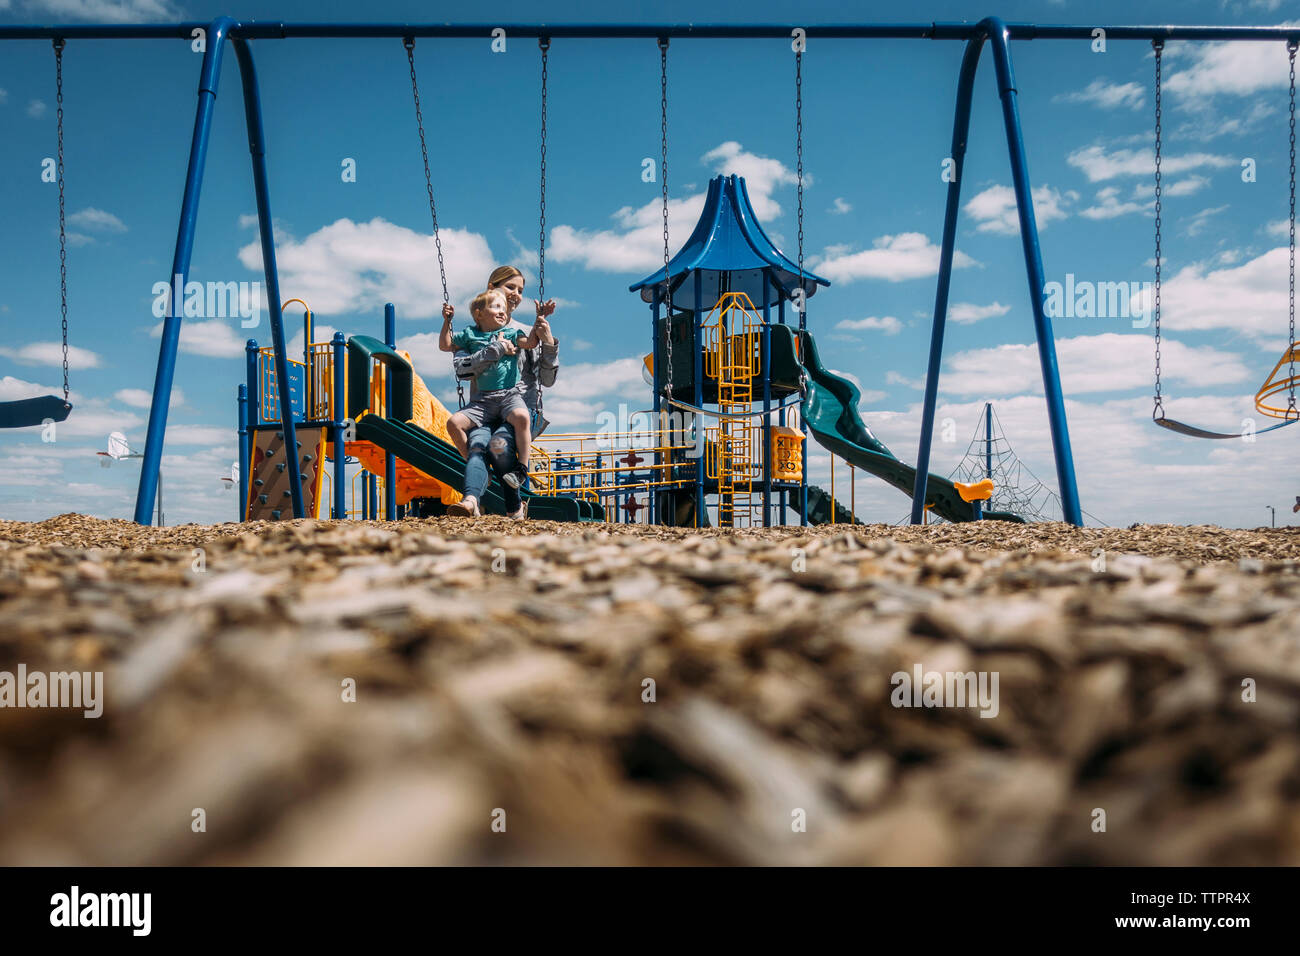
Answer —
503 374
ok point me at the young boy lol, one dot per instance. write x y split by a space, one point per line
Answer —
499 392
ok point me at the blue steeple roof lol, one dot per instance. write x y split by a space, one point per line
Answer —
728 238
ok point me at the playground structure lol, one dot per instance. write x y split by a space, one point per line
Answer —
829 402
721 351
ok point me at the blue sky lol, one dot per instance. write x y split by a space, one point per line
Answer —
878 120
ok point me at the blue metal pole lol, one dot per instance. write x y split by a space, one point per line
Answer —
766 351
209 75
339 412
655 372
241 487
257 150
960 129
785 497
697 339
390 460
1065 475
988 439
279 30
254 387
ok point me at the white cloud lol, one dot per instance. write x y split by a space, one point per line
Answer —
36 109
761 174
199 435
995 209
15 389
350 267
1108 205
967 312
4 96
1197 224
587 380
840 207
896 378
1099 165
216 338
636 243
139 398
1089 363
96 220
908 255
1281 227
1107 95
51 353
1236 69
1128 469
107 11
94 419
1249 298
888 324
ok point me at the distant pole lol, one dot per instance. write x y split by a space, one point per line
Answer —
988 439
1272 516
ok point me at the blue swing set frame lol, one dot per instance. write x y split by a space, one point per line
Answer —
991 30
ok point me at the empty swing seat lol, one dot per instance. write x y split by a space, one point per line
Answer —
27 412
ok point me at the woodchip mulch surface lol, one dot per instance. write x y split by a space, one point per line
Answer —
502 673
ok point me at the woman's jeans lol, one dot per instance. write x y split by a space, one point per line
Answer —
499 447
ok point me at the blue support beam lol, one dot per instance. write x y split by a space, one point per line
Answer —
245 479
279 30
340 413
697 340
656 371
996 33
390 460
257 151
209 75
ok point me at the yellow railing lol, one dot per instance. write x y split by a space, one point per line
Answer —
1276 386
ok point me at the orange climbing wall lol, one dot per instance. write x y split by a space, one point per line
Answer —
268 492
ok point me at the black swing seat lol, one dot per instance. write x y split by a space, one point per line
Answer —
1194 432
33 411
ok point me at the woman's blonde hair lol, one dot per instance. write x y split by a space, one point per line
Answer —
502 274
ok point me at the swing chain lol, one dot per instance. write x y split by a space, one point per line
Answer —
409 44
545 44
663 179
63 235
1158 411
533 358
1291 410
798 135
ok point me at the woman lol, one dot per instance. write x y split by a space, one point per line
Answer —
537 370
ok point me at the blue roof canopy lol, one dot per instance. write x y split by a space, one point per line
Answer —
729 239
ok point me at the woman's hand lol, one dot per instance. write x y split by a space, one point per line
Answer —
448 311
543 328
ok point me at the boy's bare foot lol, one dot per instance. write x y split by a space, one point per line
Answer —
467 507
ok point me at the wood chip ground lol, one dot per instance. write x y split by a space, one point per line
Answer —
501 669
